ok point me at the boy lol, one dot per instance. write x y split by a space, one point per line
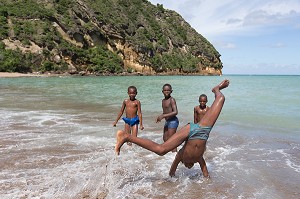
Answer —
199 111
194 136
169 113
133 112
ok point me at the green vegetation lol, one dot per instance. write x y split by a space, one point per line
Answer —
14 61
103 60
88 32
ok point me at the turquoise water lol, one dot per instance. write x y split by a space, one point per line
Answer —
57 139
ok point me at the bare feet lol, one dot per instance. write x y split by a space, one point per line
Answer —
121 139
223 84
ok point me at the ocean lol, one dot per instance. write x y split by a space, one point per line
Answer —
57 139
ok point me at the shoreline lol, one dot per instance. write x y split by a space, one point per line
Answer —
14 74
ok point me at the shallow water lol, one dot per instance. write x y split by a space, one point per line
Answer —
57 140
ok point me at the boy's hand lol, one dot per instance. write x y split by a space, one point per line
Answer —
114 124
142 127
172 173
159 118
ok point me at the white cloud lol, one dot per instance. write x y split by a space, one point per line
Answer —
210 17
276 45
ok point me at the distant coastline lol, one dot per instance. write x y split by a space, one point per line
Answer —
15 74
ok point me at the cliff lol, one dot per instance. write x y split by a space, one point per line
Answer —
101 37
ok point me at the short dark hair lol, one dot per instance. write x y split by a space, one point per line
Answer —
203 95
169 85
132 87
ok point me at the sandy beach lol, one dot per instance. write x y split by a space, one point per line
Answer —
6 74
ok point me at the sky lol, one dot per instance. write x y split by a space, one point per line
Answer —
253 37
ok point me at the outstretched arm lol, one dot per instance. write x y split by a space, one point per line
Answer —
175 163
120 113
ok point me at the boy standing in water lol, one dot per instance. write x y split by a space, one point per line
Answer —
132 108
169 113
193 135
199 111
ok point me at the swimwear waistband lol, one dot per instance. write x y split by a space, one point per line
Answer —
172 118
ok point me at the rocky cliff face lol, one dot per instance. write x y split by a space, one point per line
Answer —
147 39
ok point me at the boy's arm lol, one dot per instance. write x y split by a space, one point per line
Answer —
171 114
140 115
161 116
174 108
195 115
175 163
120 113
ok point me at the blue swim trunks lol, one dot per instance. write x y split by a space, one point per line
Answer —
131 121
172 123
198 132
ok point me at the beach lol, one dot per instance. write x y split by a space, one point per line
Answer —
57 139
7 74
35 74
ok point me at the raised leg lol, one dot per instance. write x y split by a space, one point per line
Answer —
211 116
160 149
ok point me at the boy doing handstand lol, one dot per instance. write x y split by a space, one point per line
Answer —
194 136
132 108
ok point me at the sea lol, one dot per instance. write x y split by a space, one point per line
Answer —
57 139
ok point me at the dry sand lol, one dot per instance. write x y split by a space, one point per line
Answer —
6 74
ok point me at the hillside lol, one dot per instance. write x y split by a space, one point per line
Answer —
101 37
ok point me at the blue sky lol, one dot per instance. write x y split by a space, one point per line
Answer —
253 37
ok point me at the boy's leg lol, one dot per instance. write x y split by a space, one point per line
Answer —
170 133
170 129
165 135
134 130
213 113
160 149
128 130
